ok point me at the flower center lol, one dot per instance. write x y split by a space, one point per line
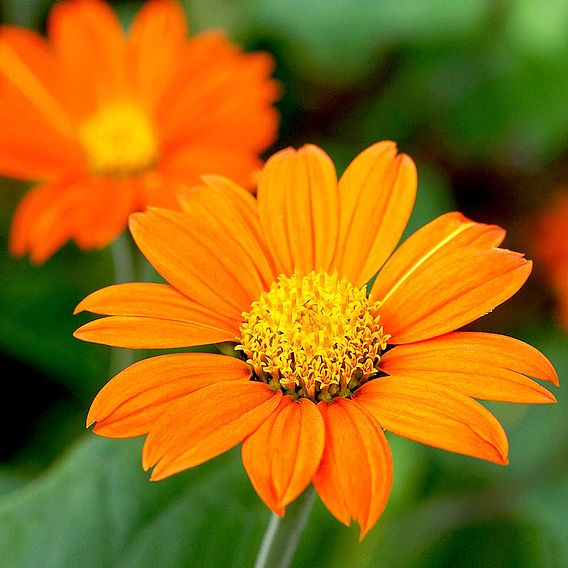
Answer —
316 336
119 140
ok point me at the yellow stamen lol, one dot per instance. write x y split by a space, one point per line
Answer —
119 140
315 335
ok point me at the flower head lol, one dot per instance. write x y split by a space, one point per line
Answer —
108 122
552 249
325 365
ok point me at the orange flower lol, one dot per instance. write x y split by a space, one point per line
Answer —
552 250
109 123
317 382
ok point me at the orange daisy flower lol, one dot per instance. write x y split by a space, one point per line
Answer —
552 250
109 123
326 365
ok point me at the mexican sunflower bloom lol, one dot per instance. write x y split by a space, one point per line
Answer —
107 122
324 364
552 249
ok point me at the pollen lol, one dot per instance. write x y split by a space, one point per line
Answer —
119 140
314 336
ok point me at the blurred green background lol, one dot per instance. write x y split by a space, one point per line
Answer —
476 92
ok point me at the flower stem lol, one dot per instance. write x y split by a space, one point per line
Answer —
123 264
283 534
122 261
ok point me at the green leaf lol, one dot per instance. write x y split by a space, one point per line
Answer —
97 508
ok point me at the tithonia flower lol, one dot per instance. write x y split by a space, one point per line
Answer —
552 249
108 122
324 365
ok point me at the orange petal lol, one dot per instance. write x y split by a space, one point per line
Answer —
429 288
150 333
102 209
29 211
480 365
201 259
130 403
355 475
205 424
37 135
282 456
89 43
213 66
26 60
29 156
376 195
151 315
435 415
159 301
156 38
189 163
43 221
229 207
160 189
222 189
93 212
298 206
445 234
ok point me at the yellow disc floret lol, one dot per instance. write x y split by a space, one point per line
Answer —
119 140
315 335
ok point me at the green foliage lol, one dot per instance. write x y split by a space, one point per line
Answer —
97 508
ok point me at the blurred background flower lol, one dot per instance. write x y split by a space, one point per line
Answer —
476 93
107 123
551 249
